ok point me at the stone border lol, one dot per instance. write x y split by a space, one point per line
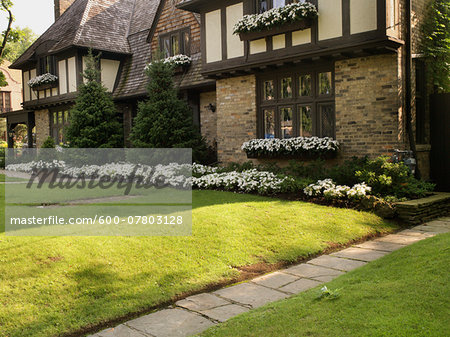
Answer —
197 313
414 212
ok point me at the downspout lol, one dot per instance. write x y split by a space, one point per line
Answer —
408 87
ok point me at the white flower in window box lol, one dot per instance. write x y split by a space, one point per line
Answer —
42 82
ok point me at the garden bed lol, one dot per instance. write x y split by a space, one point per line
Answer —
418 211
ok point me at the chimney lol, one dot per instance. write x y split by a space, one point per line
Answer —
61 6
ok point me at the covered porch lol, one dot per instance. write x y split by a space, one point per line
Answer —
13 119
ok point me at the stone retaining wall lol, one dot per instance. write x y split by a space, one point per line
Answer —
422 210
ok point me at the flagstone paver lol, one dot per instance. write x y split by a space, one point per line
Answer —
202 302
275 280
251 294
300 286
121 331
402 239
380 245
361 254
336 263
226 312
314 272
171 323
197 313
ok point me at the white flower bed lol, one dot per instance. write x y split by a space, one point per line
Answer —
276 17
177 60
42 79
250 181
292 146
329 189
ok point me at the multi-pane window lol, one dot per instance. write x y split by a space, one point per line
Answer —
265 5
47 64
59 120
176 43
297 104
5 101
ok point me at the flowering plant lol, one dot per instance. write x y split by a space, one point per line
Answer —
42 79
330 190
250 181
177 61
292 146
276 17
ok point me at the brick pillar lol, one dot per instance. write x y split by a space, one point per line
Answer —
42 120
236 116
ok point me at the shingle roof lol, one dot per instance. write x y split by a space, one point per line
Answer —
100 24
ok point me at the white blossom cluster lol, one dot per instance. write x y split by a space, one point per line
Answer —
177 60
276 17
250 181
174 175
292 146
329 189
42 79
200 170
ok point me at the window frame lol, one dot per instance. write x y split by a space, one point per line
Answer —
315 101
46 64
180 34
270 4
55 129
3 107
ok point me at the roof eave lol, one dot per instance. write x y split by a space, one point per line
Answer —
192 6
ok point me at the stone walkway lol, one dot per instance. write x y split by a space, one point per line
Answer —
197 313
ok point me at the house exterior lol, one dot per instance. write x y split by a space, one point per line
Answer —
343 75
11 95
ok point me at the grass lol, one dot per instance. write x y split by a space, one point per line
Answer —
55 285
403 294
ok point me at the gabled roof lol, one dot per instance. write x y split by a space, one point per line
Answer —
99 24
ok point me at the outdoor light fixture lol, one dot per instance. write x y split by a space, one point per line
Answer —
212 107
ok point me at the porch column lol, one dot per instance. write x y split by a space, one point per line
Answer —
10 140
30 125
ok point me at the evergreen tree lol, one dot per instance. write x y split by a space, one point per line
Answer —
94 120
164 120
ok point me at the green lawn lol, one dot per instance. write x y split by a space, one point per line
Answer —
403 294
50 285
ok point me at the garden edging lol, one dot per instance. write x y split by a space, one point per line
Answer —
421 210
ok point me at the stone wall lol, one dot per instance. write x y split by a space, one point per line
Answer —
208 118
236 116
42 119
368 107
418 211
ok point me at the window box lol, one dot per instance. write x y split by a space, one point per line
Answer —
295 16
43 82
286 28
300 156
292 148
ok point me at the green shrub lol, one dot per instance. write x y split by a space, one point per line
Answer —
2 157
392 179
49 143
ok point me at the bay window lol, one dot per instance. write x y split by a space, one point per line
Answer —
297 104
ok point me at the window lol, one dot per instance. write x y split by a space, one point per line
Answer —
5 101
58 121
176 43
264 5
47 64
300 103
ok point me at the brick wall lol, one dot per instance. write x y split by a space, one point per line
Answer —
42 119
236 116
208 119
367 105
